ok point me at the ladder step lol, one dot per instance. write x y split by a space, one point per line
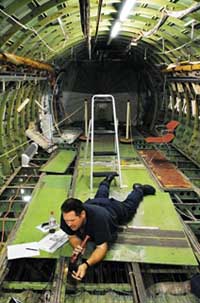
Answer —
104 132
104 173
102 100
105 153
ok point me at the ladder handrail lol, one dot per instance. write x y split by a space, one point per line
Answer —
117 141
92 145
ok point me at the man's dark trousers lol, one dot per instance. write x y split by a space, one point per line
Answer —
125 210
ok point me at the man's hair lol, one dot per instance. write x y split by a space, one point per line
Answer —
72 204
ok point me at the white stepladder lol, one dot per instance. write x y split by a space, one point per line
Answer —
91 133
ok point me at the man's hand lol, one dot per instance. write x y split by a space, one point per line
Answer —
97 255
81 272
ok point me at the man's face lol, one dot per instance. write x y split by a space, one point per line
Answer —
74 221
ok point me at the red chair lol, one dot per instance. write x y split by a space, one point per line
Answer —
172 125
167 138
167 133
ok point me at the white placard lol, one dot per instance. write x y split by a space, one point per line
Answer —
24 250
53 241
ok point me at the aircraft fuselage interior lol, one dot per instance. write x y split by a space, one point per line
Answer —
91 89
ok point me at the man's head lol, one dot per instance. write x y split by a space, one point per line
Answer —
74 213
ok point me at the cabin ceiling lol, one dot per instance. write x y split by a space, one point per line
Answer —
162 31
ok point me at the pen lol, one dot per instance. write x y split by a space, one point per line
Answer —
34 249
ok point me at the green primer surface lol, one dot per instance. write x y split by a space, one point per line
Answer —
126 150
48 196
59 162
154 212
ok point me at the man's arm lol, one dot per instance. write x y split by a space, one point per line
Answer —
97 255
74 241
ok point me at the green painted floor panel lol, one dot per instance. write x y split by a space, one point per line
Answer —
48 196
154 255
137 174
59 162
126 150
154 212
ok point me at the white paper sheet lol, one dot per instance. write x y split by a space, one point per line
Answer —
53 241
24 250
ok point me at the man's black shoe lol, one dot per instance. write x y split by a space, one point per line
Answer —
146 189
111 176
